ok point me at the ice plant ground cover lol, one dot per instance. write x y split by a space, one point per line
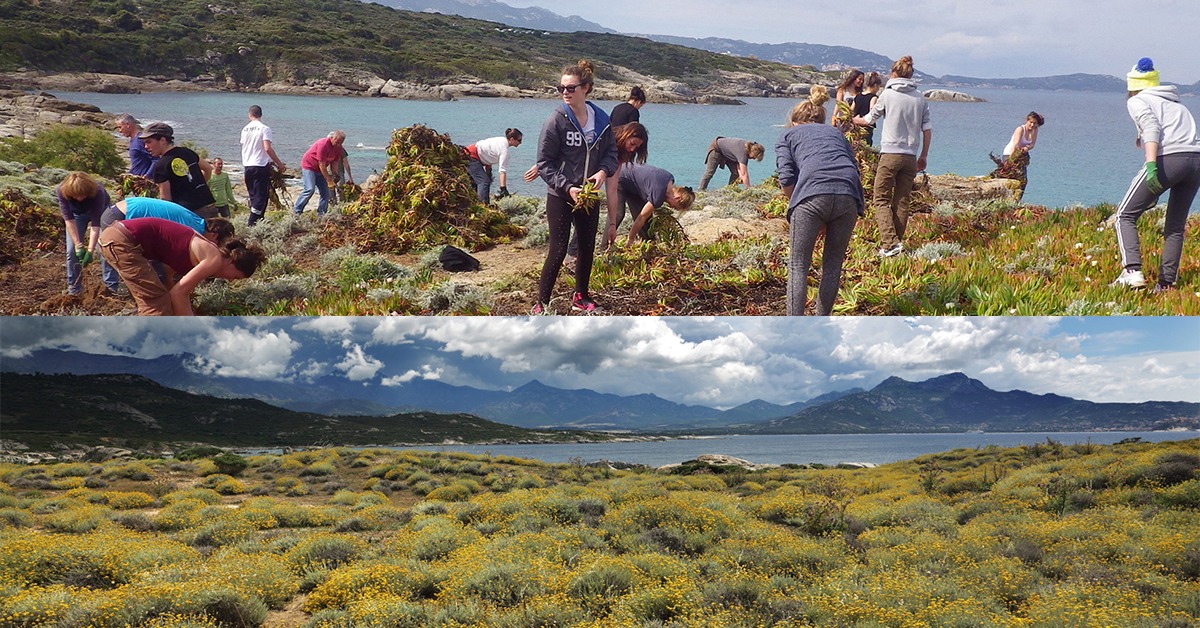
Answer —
1038 535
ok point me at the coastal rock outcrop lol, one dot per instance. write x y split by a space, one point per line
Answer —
722 460
955 188
946 95
22 114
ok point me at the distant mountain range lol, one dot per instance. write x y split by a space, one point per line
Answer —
533 405
819 56
949 403
956 403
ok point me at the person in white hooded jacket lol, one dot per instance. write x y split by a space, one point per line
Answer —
904 148
1168 136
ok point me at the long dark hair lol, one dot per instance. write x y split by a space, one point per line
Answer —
851 77
629 131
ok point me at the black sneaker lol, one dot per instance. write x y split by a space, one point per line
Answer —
254 218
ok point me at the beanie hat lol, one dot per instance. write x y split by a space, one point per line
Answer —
1142 75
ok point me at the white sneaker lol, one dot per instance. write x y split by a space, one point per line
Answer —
1130 278
892 252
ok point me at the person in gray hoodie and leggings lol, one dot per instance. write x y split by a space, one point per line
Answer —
1168 135
904 147
576 145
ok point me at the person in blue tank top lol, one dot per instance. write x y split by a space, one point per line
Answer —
133 207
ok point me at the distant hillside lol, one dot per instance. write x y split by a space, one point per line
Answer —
493 11
955 402
834 58
347 45
130 410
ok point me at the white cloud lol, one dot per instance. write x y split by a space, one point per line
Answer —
329 326
238 352
358 366
426 372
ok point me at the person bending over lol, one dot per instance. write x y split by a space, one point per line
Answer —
131 246
642 190
732 153
1170 141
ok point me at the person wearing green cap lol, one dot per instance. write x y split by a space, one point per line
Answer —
1168 135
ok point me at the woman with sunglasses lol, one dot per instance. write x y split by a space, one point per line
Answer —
576 145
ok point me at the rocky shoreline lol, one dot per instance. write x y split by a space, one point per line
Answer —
345 82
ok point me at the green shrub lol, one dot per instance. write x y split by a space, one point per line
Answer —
324 552
230 464
70 148
195 453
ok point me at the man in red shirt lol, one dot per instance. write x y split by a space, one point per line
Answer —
317 169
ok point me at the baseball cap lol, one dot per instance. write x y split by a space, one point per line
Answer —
161 129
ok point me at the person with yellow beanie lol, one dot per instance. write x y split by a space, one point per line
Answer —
1168 135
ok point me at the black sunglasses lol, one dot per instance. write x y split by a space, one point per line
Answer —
568 89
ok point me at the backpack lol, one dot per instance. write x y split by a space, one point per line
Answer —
457 260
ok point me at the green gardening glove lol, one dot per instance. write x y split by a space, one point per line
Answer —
80 252
86 259
1152 183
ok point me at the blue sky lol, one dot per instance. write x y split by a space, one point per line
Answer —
718 362
1009 39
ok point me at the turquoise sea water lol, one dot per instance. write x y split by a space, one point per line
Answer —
827 449
1085 152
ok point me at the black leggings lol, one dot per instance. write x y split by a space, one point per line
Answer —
560 217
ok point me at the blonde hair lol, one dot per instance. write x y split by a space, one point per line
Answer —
686 195
755 151
78 185
818 95
806 112
903 67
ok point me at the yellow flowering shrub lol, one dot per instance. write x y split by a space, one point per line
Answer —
125 500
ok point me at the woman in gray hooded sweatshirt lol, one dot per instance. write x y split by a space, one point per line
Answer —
904 148
576 145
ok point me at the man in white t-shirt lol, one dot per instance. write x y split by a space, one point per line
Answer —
257 156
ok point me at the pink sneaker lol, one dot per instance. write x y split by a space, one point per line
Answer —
583 304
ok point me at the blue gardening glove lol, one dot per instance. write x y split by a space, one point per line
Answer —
1152 183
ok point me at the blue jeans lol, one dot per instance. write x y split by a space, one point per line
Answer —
481 178
313 180
74 276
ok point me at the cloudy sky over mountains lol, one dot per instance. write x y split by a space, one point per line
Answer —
718 362
1011 39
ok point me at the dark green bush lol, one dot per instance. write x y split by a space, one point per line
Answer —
230 464
196 453
70 148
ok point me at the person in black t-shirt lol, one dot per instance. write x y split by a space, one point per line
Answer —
628 111
181 174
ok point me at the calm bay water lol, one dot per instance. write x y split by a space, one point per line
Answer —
827 449
1085 152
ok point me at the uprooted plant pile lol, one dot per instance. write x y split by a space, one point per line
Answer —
24 226
423 199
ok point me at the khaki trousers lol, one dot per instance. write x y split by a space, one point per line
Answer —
893 186
125 254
